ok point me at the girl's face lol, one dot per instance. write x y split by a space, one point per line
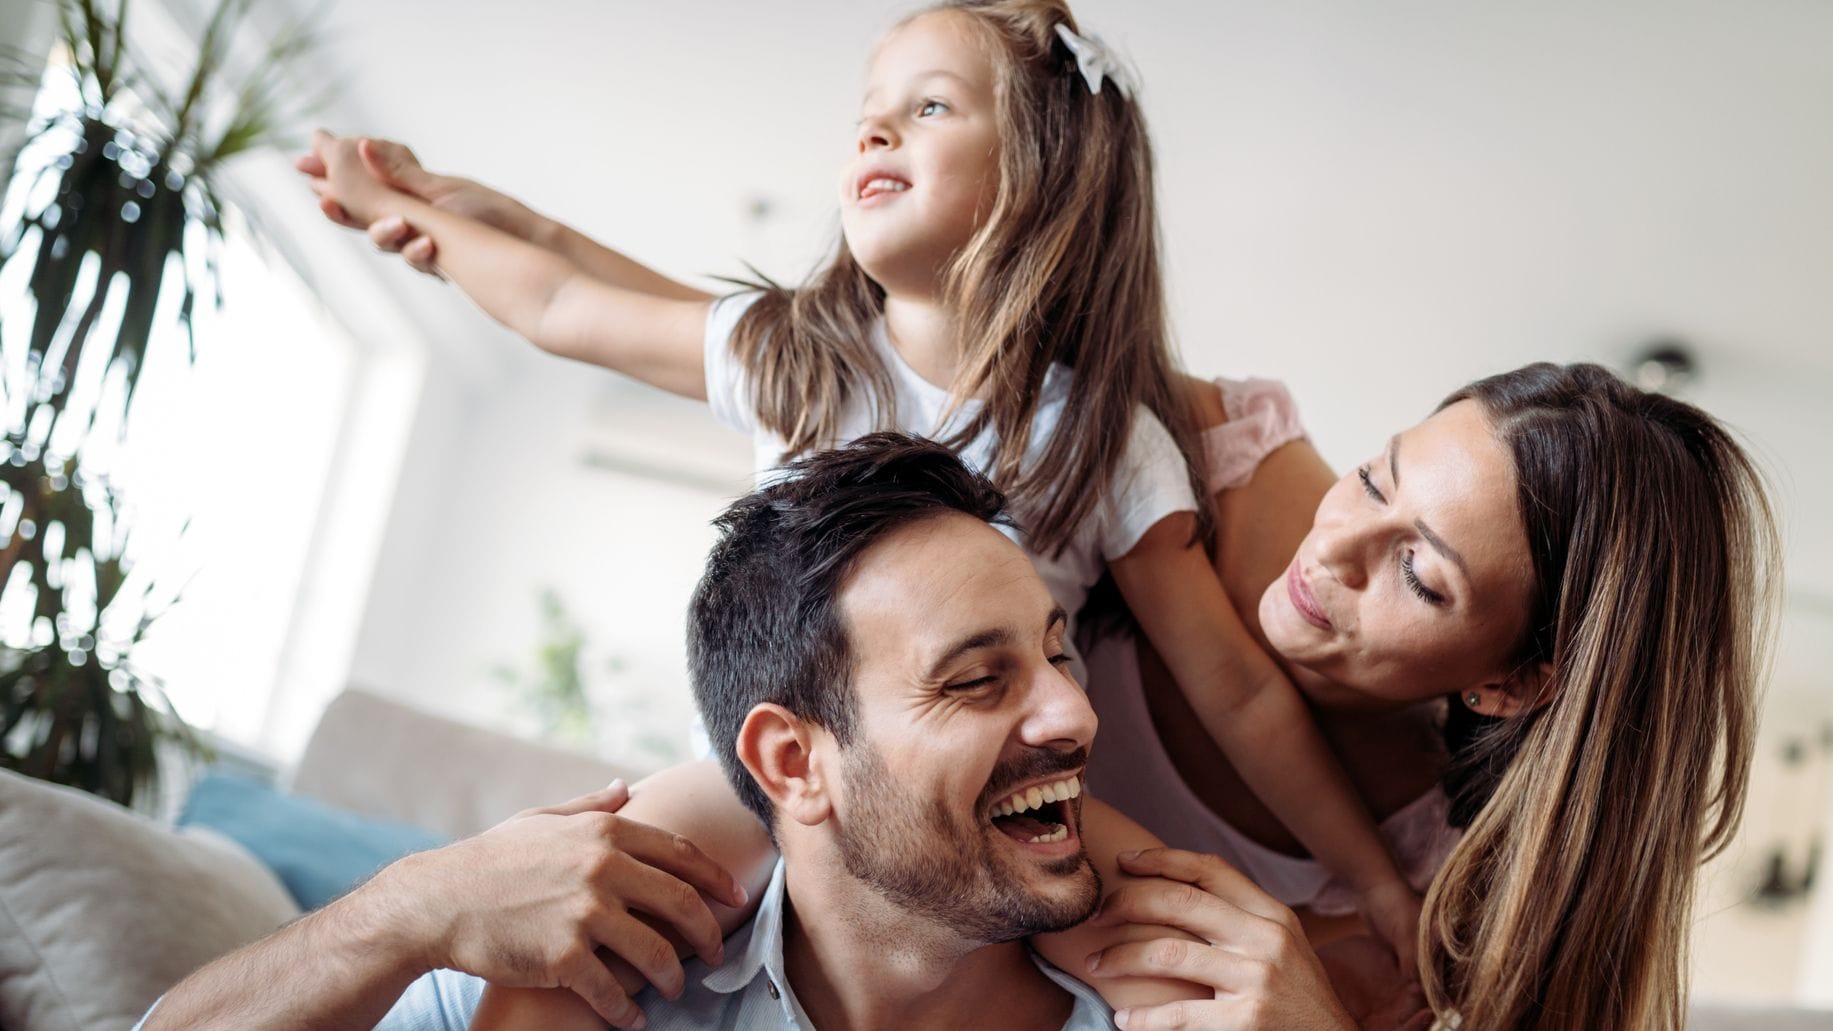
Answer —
925 170
1414 580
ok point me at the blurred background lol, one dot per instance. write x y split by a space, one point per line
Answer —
1372 202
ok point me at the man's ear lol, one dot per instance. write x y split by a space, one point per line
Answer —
1522 691
779 749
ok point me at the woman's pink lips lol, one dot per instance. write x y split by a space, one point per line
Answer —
1302 598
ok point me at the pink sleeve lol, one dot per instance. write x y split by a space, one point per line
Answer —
1262 418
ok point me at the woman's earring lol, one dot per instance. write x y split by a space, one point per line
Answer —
1474 700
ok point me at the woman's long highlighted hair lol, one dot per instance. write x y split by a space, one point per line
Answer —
1065 269
1569 902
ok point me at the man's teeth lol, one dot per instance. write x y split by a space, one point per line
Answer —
1031 798
888 185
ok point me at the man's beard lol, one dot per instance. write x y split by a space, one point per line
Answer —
926 860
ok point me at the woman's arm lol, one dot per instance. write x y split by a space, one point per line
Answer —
537 293
696 802
1258 718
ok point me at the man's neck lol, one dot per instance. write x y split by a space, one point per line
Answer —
924 336
855 960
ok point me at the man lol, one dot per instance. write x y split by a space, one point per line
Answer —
881 672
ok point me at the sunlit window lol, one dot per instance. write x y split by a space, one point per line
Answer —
223 468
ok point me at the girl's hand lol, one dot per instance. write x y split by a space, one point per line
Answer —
394 165
348 192
1253 953
1368 984
1392 911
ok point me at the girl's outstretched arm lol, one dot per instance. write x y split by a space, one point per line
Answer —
696 802
395 165
534 291
1260 721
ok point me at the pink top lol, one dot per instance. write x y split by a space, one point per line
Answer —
1129 768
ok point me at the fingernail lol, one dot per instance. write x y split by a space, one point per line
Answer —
719 954
616 782
1094 960
1128 856
1121 1018
739 893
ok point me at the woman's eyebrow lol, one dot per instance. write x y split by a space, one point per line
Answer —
1439 545
1437 542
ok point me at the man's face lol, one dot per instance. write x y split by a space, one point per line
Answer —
964 702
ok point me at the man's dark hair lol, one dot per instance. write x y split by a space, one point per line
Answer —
764 624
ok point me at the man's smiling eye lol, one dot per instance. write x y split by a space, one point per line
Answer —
930 107
1059 660
972 685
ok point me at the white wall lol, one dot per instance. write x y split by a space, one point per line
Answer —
525 484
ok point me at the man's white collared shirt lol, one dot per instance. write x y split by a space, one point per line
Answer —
747 993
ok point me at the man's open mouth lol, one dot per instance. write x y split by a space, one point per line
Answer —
1040 814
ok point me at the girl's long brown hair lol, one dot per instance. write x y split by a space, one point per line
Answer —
1568 904
1065 269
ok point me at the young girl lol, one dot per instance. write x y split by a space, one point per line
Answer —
996 287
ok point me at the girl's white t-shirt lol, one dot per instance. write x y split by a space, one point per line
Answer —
1149 483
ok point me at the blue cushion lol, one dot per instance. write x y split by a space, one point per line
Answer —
319 852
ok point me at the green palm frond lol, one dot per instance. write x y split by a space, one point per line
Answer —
128 210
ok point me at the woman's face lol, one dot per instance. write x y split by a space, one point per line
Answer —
1414 579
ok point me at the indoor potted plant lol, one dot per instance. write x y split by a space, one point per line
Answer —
114 199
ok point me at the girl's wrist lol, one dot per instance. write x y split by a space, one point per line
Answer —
1383 885
541 231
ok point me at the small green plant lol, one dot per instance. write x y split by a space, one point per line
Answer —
553 689
573 694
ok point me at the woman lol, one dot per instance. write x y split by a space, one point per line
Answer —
1550 597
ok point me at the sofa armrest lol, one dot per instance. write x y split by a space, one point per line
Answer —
377 757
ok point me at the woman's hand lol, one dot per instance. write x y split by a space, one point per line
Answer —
1253 954
395 166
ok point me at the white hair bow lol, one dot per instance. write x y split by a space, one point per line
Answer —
1095 61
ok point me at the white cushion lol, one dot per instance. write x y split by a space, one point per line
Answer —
102 909
379 758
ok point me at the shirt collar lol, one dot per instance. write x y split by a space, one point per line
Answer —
759 944
757 949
